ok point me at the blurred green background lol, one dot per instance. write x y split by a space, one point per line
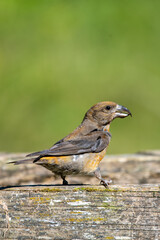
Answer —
58 58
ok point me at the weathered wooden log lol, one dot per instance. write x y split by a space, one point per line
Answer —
80 212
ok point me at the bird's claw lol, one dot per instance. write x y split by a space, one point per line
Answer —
105 183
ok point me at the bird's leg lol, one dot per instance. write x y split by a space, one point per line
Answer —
104 182
64 180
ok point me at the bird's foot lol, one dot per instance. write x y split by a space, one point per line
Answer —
65 182
105 183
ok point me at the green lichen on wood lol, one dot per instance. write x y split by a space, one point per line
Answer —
92 189
89 189
109 238
52 190
90 219
110 207
44 215
40 200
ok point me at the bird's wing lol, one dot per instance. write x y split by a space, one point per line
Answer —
92 142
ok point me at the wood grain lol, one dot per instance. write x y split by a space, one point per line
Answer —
80 212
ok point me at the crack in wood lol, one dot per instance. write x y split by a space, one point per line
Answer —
5 208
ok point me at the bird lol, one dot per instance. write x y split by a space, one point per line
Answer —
81 151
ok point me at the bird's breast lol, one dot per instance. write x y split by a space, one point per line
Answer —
92 160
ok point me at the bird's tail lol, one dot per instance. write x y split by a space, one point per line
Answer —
23 161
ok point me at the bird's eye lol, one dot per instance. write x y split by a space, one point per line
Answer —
108 108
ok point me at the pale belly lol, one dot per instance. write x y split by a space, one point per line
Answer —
76 164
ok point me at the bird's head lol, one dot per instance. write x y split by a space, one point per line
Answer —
103 113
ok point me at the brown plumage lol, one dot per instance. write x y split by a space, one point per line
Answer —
81 151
